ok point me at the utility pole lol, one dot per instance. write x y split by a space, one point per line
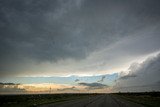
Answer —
50 89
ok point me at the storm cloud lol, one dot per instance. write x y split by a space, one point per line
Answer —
9 84
76 80
75 36
10 88
144 76
94 85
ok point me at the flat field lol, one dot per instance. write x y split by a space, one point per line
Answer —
32 100
143 99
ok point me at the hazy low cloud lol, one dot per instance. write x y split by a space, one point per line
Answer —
68 89
144 77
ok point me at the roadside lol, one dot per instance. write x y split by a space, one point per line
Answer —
146 99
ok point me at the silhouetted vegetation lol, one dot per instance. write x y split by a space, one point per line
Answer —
32 100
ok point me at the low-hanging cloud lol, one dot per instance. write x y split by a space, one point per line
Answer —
10 88
76 80
9 83
68 89
128 76
145 77
102 79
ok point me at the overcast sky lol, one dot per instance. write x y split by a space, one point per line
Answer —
48 38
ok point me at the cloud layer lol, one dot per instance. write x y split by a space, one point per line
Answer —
81 37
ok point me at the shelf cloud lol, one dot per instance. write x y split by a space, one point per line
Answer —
145 76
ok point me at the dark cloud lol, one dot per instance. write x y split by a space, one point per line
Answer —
10 88
57 30
76 80
145 78
128 76
102 79
94 85
9 84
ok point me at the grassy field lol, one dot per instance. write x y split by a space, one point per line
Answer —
148 99
37 99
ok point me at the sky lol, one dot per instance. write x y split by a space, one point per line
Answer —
60 46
